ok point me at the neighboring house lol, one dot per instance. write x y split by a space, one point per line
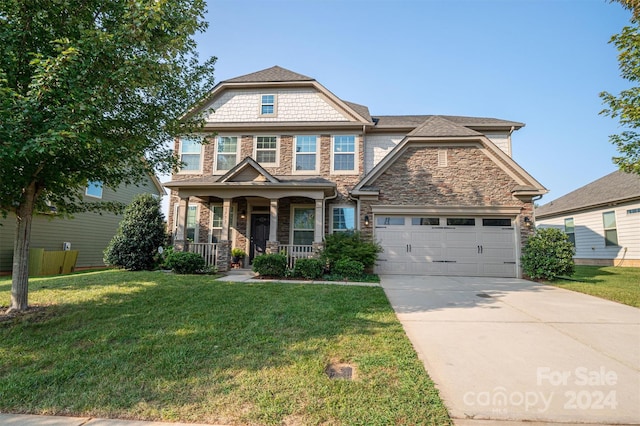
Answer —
289 162
602 219
88 232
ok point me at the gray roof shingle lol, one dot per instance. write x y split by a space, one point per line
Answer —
437 126
273 74
616 186
403 121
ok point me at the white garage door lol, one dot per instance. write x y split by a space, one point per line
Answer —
467 246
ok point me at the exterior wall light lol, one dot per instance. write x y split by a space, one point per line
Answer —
366 220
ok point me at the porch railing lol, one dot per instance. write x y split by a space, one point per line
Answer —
207 250
294 252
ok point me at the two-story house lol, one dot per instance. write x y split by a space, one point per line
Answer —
288 162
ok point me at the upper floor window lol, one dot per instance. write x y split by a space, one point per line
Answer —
610 229
94 189
343 154
267 150
226 152
570 229
190 152
268 105
343 219
306 154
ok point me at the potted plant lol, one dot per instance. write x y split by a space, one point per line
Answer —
237 256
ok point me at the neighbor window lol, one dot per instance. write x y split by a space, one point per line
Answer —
610 231
268 105
226 152
190 150
496 222
570 229
266 149
344 153
303 225
306 153
344 219
425 221
461 221
94 189
389 220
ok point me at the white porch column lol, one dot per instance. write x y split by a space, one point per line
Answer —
319 228
181 220
226 211
273 220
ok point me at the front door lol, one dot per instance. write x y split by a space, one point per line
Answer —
259 235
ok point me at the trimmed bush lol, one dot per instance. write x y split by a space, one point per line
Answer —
308 268
548 254
350 246
348 269
184 262
270 265
141 232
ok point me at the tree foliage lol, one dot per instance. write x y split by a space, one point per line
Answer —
140 234
548 254
626 105
91 90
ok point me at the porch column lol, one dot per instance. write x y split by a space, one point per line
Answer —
273 220
318 232
181 221
226 210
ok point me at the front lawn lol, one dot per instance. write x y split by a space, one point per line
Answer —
618 284
157 346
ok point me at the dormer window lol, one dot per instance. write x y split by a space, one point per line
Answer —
268 105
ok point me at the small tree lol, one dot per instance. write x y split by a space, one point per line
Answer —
548 254
141 232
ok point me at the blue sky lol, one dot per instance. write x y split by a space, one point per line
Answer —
541 62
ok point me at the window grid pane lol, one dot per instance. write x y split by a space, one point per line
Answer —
306 144
609 220
226 161
227 144
266 156
344 218
191 146
344 144
305 162
266 142
304 218
343 162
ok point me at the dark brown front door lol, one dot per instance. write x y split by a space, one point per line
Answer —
259 235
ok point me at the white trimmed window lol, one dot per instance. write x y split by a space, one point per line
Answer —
216 221
190 154
306 154
303 219
94 189
226 153
191 232
268 105
610 229
570 229
343 218
343 154
266 150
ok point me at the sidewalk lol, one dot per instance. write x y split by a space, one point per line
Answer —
31 420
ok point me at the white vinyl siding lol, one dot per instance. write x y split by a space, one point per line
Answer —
590 235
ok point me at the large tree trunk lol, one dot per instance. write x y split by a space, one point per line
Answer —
20 274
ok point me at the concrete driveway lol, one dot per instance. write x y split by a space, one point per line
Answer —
509 349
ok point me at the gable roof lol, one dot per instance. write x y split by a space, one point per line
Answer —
256 172
437 126
408 121
273 74
614 187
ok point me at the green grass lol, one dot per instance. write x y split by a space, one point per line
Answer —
156 346
613 283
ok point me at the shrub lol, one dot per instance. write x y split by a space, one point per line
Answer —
308 268
350 246
184 262
348 269
141 232
548 254
270 265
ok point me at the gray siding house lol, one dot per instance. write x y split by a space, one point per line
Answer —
601 218
89 233
289 162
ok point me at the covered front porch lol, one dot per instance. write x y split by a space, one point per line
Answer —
256 213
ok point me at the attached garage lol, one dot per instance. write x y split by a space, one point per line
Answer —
465 245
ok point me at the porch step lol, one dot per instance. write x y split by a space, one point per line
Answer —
241 271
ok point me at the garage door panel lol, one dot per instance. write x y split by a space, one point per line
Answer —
479 250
